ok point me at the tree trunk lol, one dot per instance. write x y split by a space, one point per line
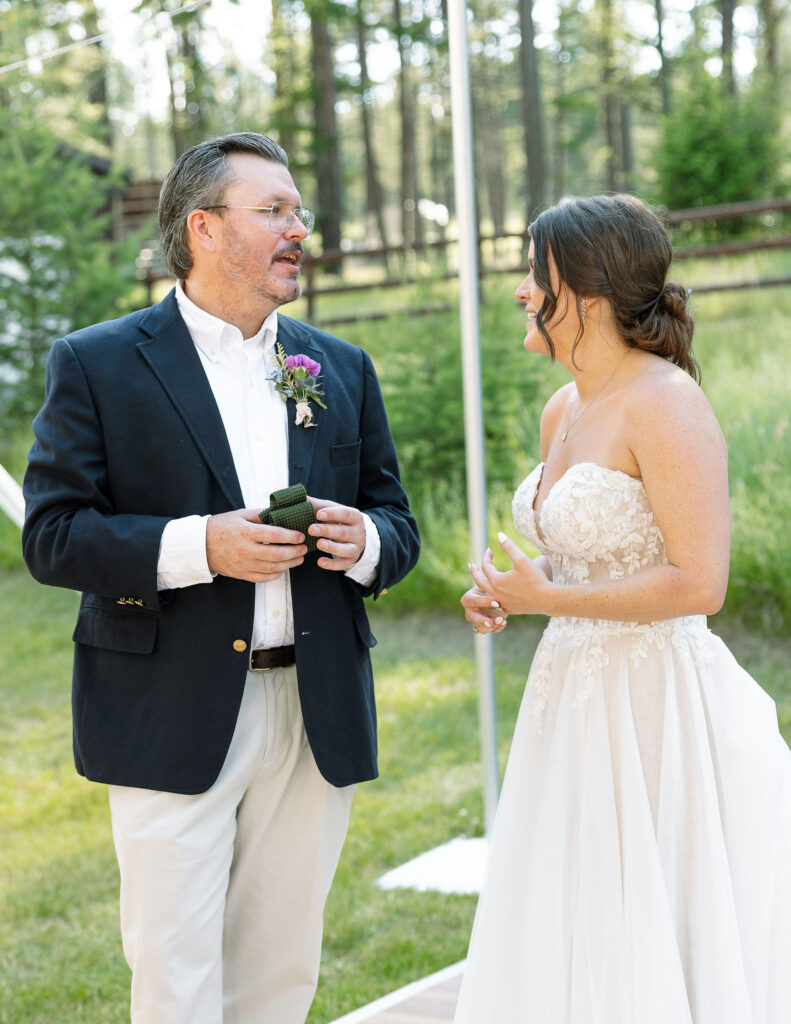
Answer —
411 227
194 79
770 17
177 135
664 69
532 112
328 167
607 50
374 194
97 82
629 183
559 113
727 8
441 161
283 69
488 159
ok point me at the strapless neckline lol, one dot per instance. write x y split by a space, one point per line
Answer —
591 514
539 471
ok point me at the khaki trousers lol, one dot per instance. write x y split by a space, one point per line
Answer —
223 893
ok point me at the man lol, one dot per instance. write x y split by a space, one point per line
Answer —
222 682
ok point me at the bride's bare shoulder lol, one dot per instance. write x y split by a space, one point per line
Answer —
665 401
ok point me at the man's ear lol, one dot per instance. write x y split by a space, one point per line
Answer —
202 231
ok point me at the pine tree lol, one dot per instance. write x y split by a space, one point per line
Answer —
59 268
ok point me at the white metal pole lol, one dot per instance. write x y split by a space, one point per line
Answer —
461 117
11 500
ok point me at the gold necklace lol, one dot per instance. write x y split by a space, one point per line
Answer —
598 394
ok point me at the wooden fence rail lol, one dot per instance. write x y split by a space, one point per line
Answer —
142 198
312 291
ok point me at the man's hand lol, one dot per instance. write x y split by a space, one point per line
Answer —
342 533
238 544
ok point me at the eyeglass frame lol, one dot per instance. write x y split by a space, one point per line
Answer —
269 209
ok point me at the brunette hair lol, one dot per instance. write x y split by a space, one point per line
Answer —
614 246
198 179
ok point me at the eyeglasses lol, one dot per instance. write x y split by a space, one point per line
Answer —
281 215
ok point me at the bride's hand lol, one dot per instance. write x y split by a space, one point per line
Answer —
483 611
522 589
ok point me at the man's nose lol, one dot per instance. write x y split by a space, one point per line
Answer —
296 229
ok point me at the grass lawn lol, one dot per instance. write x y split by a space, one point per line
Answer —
60 954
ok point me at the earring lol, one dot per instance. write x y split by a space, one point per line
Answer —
584 308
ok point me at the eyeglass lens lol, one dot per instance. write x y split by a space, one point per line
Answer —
282 216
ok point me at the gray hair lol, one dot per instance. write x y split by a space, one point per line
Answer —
198 179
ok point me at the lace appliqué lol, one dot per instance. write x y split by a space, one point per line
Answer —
596 525
586 645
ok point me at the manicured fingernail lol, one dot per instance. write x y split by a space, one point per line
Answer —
501 537
495 604
499 620
487 623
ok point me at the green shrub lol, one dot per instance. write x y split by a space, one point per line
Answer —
718 148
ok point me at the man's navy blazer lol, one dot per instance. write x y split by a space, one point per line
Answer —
129 437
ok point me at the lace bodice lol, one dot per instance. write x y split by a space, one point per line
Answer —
595 524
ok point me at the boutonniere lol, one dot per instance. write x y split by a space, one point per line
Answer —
297 377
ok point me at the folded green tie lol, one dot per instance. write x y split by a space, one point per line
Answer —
290 509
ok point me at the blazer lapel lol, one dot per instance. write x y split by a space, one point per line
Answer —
170 352
296 340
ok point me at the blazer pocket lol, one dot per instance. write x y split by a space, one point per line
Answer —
129 632
345 454
364 629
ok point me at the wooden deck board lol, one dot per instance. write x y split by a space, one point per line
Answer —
429 1001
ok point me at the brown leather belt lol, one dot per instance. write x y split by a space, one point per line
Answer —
264 658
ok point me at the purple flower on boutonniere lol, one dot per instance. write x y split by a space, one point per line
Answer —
295 362
297 377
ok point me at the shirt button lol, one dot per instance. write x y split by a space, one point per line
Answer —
276 613
239 645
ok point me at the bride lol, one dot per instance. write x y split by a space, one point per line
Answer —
640 865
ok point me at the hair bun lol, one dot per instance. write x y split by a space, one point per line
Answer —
675 300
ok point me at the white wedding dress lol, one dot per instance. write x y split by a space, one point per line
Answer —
640 866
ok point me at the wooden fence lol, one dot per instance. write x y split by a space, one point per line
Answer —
499 253
317 284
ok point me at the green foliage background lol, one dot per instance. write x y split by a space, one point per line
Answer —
59 266
716 147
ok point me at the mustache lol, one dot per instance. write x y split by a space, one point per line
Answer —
291 248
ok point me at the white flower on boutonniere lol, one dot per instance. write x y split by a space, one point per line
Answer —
304 417
297 377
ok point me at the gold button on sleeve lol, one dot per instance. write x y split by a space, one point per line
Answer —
239 645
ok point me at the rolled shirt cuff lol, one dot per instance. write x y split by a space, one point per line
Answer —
366 567
182 554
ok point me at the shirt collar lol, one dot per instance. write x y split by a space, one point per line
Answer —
211 334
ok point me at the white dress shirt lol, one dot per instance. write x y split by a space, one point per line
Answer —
255 420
